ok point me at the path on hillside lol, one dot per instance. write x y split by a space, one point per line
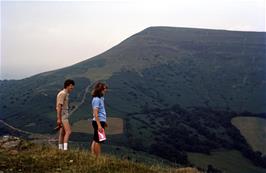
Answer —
16 129
47 137
82 100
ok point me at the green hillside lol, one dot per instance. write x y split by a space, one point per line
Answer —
204 68
189 82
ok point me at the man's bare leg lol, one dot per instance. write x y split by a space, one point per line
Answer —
61 138
67 129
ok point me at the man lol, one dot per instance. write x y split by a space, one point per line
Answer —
63 114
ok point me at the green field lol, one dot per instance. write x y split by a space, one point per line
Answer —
227 161
254 131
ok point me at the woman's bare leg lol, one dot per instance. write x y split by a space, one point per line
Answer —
92 147
97 149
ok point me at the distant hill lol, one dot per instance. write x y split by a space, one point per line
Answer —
189 81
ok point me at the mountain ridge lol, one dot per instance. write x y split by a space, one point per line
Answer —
147 29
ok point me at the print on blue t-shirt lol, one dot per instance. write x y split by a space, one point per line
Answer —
99 103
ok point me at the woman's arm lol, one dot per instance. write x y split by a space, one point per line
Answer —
95 113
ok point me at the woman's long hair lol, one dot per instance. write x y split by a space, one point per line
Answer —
97 89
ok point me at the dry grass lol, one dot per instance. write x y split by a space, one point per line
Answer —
49 159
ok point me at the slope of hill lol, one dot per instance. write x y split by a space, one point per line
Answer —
209 68
196 79
29 157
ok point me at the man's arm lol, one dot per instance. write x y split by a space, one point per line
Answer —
59 114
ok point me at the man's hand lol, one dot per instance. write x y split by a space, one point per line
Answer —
106 125
59 122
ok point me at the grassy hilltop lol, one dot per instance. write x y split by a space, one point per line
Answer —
29 157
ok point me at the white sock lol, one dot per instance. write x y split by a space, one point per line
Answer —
60 146
65 146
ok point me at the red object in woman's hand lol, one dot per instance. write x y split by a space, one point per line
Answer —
101 135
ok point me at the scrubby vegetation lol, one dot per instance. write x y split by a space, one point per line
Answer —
45 159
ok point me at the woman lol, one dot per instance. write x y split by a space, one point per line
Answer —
99 116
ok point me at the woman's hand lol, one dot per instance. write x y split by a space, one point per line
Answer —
100 129
106 125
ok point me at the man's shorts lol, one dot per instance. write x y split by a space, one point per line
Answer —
95 127
65 116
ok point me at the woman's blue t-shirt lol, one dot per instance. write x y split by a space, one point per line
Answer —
99 103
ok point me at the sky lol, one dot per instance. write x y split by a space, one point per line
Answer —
39 36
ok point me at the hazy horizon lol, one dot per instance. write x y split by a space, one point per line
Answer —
43 36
